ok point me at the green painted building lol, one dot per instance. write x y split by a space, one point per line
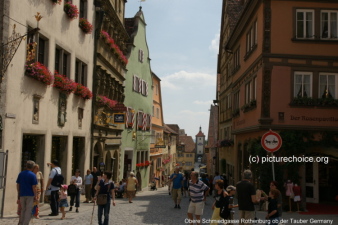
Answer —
139 101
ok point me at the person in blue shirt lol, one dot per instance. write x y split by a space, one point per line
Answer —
177 179
26 187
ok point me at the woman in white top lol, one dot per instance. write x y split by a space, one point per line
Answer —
76 180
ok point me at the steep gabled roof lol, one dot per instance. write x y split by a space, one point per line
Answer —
189 144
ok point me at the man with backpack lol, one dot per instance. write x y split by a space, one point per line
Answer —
54 183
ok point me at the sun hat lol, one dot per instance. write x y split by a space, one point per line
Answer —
64 186
230 188
132 174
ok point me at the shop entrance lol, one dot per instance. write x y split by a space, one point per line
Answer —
311 182
32 149
328 183
78 157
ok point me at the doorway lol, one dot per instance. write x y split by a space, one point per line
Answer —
32 149
78 156
311 182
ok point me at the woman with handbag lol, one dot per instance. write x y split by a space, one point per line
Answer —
105 191
77 181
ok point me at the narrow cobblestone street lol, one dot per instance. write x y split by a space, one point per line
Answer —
149 207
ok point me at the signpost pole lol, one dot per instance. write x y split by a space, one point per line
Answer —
273 168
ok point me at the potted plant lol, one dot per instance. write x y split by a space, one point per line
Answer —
85 26
71 10
63 83
39 72
56 2
82 91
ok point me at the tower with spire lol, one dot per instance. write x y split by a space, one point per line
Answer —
200 144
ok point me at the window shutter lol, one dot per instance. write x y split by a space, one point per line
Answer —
134 83
140 85
133 119
146 89
144 121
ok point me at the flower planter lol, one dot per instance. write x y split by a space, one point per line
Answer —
117 51
39 72
82 91
63 83
85 26
104 101
71 10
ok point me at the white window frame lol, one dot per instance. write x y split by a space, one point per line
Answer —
329 24
335 96
304 11
302 73
248 92
140 55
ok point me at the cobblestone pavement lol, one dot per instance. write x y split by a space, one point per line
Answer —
149 207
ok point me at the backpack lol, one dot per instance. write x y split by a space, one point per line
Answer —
57 179
71 189
224 210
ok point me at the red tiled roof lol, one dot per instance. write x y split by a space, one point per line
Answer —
188 142
167 129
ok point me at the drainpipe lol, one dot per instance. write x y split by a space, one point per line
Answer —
99 15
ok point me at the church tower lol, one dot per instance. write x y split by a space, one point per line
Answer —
200 144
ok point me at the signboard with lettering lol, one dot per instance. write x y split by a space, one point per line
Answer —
160 146
119 118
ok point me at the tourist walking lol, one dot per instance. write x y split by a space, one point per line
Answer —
219 201
246 199
77 181
217 177
131 186
95 174
198 192
185 184
39 189
177 179
88 181
273 215
26 187
63 200
105 187
54 196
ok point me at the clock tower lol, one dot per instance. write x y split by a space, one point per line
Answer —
200 143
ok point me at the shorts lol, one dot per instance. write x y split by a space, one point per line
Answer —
176 194
63 203
196 208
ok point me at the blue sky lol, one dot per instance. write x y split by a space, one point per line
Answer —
183 40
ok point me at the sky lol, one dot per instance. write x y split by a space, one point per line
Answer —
183 41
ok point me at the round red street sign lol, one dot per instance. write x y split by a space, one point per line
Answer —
271 141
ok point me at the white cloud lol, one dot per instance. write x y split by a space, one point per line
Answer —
203 102
184 80
214 44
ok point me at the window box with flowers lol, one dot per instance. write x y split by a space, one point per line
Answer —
139 165
104 101
39 72
71 10
56 2
130 125
146 163
63 83
82 91
85 26
111 43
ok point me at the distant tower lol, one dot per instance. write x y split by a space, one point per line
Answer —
200 143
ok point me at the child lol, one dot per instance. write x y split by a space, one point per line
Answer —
63 200
273 216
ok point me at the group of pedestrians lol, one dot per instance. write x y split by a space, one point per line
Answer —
30 186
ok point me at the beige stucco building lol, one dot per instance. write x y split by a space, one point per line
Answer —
41 122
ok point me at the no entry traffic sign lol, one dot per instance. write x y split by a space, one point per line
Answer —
271 141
